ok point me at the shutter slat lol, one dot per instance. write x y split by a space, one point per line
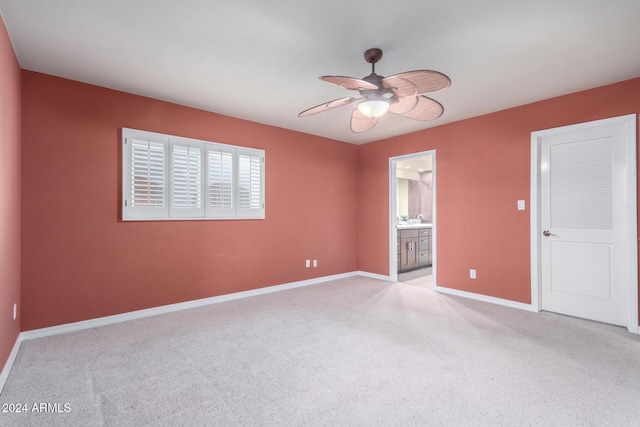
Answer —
249 170
186 177
220 180
147 174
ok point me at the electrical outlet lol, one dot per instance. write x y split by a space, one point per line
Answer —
520 205
308 263
15 311
472 273
315 263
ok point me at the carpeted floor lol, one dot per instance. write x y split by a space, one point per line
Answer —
356 351
422 277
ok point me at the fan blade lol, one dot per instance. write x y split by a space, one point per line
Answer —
350 83
403 104
360 122
327 106
416 82
418 108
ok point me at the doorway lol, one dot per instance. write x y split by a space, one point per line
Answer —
583 224
412 218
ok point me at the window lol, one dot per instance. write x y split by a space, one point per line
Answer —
170 178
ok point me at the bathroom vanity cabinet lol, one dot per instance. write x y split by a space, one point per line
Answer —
414 248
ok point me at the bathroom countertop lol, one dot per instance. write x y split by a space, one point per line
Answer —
409 226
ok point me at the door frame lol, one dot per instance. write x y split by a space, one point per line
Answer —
393 210
630 216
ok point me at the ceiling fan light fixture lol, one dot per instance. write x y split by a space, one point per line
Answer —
402 94
373 108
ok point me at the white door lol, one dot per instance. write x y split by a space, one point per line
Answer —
586 261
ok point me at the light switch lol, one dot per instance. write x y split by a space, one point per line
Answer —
520 205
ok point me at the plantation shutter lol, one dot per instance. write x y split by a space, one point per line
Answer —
168 177
220 183
186 180
250 183
145 179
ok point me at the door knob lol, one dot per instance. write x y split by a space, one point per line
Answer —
546 233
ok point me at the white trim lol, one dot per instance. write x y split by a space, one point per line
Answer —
375 276
534 227
633 323
393 217
393 212
4 375
154 311
485 298
170 308
631 195
434 215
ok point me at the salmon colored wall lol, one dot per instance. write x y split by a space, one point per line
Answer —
482 169
9 194
82 262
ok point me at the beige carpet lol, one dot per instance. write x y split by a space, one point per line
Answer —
355 352
422 277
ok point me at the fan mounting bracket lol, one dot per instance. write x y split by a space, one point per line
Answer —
373 55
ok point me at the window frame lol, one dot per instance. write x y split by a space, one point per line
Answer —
169 212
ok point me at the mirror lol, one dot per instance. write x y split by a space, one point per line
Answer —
414 179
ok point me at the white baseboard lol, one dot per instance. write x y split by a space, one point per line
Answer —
374 276
154 311
138 314
107 320
9 363
485 298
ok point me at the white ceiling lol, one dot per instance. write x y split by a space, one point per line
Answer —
260 59
415 164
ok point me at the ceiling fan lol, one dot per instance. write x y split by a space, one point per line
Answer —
400 94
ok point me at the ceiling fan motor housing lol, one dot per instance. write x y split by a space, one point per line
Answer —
382 92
